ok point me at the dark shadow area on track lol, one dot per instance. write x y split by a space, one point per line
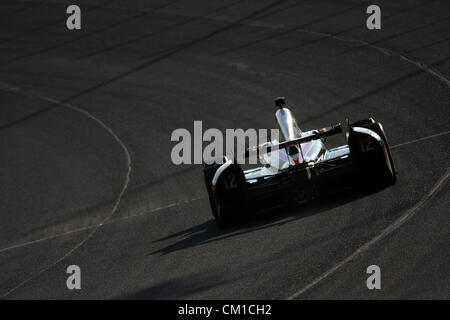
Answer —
180 287
209 232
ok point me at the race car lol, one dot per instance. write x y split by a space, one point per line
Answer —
299 167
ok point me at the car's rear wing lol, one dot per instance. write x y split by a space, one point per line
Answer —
319 134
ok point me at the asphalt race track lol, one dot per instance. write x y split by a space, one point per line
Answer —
87 179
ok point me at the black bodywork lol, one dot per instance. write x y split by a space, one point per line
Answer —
368 163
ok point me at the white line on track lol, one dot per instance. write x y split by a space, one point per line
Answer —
59 235
420 139
9 88
15 89
392 227
385 51
89 227
260 24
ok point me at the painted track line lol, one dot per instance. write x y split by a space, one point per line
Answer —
14 89
59 235
421 139
89 227
421 65
391 228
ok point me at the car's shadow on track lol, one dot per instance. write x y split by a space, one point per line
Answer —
209 232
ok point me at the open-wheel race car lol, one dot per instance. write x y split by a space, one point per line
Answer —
299 167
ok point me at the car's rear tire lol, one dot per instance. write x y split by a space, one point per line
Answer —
229 195
209 170
391 175
224 218
371 155
362 123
